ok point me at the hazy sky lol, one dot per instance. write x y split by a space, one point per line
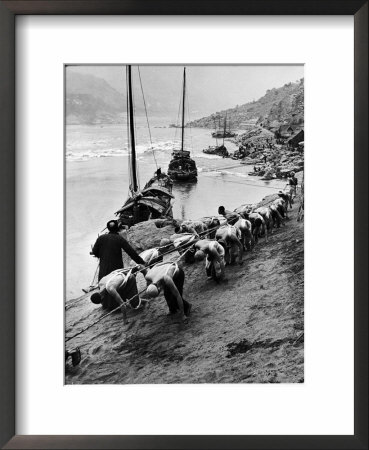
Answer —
210 88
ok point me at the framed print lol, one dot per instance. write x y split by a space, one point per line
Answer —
173 216
156 163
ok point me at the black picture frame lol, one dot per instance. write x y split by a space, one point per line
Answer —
8 12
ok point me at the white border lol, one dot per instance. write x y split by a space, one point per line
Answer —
324 404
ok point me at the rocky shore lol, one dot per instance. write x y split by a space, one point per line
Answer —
270 157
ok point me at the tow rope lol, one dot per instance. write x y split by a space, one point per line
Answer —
67 339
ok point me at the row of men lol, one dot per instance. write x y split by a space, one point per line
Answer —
220 240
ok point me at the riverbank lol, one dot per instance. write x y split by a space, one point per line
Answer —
270 158
247 331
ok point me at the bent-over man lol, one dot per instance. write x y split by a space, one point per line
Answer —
282 207
266 214
276 216
215 254
191 226
258 226
153 256
169 278
118 288
245 228
229 236
231 216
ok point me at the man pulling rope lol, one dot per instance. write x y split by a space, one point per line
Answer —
116 288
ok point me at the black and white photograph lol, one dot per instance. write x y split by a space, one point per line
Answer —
184 223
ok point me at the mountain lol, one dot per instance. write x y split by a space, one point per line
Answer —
284 105
91 100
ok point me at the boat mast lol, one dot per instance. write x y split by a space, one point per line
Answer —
216 136
134 181
225 127
183 106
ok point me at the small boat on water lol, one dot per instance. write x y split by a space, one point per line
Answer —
220 150
152 202
224 133
182 167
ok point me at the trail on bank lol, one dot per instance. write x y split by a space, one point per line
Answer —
247 331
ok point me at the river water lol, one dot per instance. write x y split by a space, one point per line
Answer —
97 183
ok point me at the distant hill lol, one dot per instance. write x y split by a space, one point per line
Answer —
284 105
91 100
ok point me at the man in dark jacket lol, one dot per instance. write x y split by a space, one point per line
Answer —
108 248
292 182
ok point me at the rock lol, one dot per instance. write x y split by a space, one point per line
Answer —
160 223
146 235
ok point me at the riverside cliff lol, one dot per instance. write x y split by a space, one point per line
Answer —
284 105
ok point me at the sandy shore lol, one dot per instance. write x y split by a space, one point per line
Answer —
247 331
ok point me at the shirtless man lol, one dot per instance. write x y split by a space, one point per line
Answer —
258 226
169 278
266 214
244 210
245 228
118 288
212 223
229 236
281 205
181 241
214 253
276 216
286 195
192 226
231 216
152 256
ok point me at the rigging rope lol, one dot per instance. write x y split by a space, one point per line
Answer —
92 285
178 114
179 247
67 339
147 117
136 134
128 141
189 119
253 185
219 169
142 291
72 302
120 306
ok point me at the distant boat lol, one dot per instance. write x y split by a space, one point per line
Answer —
224 133
152 202
220 150
182 167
